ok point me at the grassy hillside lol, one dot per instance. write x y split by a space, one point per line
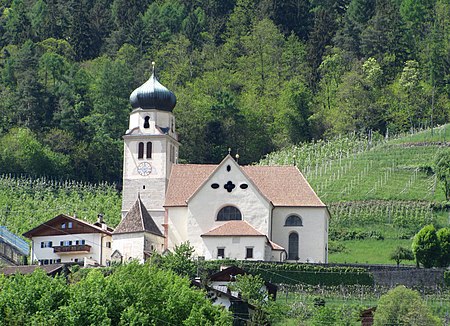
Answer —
26 202
380 192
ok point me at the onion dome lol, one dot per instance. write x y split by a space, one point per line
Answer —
153 95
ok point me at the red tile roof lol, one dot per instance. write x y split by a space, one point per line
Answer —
234 229
275 246
282 185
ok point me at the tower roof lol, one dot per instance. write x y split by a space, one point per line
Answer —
153 95
137 219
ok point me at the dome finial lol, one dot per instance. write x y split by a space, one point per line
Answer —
153 67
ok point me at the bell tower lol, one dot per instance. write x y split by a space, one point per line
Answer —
150 148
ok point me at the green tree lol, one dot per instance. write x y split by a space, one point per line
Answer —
444 243
320 37
87 304
442 170
401 306
348 37
179 261
21 152
291 124
17 25
426 247
401 253
31 299
47 19
385 38
223 130
253 290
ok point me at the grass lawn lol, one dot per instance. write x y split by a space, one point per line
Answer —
369 251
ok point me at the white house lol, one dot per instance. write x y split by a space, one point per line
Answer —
67 239
226 210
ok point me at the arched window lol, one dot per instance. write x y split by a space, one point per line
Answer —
141 150
149 149
293 246
229 213
146 123
293 220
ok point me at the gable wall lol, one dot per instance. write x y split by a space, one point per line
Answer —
206 203
313 235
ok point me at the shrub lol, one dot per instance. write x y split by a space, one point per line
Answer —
401 306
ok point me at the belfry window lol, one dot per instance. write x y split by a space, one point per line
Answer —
149 149
146 123
141 150
229 213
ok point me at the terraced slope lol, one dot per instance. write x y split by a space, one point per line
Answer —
380 192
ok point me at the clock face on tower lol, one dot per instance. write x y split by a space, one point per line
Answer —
144 168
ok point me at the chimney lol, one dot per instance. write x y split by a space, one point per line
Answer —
100 218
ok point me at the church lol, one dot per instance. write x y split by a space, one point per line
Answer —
226 210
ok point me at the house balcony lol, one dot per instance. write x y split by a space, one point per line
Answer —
72 249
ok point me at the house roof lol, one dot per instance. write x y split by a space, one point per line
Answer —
234 228
275 246
52 227
229 275
28 269
138 219
221 293
282 185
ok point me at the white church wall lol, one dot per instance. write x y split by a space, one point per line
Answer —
130 245
312 235
206 203
153 243
177 222
235 247
268 252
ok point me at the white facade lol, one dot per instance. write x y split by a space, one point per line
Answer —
235 247
137 245
312 235
45 253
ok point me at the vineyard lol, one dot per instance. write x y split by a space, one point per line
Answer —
380 192
347 302
26 202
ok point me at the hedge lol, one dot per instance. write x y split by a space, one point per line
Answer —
294 273
447 278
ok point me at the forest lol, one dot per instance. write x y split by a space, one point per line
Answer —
255 76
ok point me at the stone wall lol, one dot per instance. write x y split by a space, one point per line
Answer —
413 277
